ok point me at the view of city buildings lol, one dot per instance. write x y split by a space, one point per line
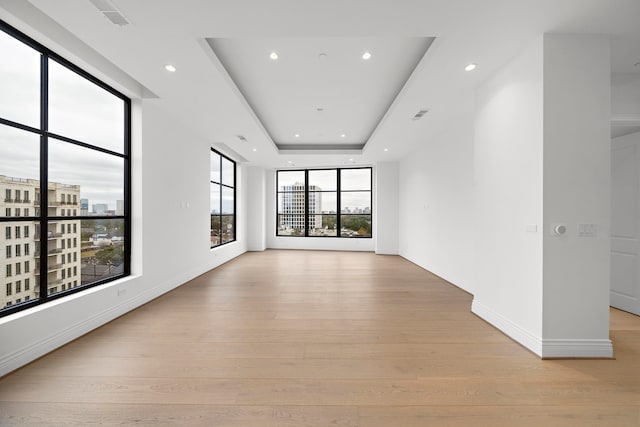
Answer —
72 245
322 215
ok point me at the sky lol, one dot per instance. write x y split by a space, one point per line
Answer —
218 162
78 109
326 180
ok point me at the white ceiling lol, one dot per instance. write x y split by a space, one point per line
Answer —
320 93
201 95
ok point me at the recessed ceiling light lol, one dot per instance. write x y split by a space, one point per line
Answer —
322 55
351 160
290 162
343 135
470 67
273 55
170 68
320 109
366 55
297 135
386 149
255 149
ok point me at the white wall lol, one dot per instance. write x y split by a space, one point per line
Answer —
256 205
436 222
386 208
577 174
508 165
313 243
171 240
542 158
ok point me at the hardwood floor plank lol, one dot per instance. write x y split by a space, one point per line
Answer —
75 414
501 416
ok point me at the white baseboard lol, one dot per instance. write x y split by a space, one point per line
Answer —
545 348
582 348
513 330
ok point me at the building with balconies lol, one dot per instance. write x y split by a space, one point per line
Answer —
20 261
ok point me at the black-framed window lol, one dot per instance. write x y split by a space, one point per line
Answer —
64 136
324 202
223 199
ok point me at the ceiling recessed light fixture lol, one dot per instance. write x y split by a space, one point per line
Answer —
255 149
470 67
386 149
366 55
297 135
273 55
322 55
291 163
343 135
320 109
170 68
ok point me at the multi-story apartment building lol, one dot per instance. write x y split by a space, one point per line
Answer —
292 213
20 241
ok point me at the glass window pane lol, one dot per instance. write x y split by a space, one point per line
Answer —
227 200
25 259
290 225
291 181
355 179
215 199
323 202
355 225
82 110
84 174
291 203
100 244
19 82
323 180
228 230
216 231
323 225
227 172
19 171
355 202
215 167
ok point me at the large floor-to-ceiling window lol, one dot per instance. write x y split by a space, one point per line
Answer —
324 202
223 199
64 176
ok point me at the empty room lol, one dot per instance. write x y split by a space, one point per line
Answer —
315 213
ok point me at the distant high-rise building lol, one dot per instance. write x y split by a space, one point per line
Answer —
100 209
293 207
84 207
119 207
20 255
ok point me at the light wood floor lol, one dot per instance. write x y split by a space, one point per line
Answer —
287 338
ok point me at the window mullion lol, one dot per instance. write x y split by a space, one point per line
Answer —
306 203
339 205
44 173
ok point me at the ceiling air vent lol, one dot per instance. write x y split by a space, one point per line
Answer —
419 114
110 12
